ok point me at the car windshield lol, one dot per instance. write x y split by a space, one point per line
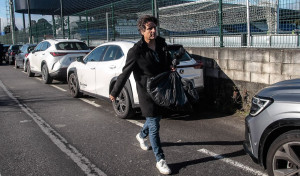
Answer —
71 46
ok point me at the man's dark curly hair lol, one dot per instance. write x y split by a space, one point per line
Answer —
145 19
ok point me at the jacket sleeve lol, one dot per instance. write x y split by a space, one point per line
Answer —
127 69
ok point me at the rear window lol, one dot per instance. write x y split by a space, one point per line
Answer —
71 46
185 57
15 47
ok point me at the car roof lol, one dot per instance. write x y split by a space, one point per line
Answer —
55 41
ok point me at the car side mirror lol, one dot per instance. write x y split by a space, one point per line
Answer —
30 49
79 59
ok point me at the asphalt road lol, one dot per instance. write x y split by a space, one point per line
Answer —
44 131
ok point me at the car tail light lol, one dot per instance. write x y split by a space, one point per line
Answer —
198 65
56 54
26 54
12 53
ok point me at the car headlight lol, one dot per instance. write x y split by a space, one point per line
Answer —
259 104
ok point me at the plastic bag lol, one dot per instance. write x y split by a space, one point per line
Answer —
190 91
169 90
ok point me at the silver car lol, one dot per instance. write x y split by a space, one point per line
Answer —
273 128
22 54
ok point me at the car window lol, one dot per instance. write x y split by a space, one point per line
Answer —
45 46
15 47
95 55
23 48
71 46
185 57
29 47
113 52
38 47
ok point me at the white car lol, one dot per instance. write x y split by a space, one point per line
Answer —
52 57
96 73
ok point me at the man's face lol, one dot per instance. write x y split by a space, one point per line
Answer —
150 32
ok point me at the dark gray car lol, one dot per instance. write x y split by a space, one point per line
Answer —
273 128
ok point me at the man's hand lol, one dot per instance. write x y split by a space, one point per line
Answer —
173 69
112 98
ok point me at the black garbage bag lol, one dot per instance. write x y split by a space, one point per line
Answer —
190 90
169 90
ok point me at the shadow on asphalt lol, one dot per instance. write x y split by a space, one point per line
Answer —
176 167
222 143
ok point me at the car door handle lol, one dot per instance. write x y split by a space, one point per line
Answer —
112 67
43 54
93 68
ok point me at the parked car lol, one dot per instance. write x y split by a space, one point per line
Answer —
5 53
96 73
11 52
273 128
52 57
22 55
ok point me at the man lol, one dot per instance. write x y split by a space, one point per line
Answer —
147 58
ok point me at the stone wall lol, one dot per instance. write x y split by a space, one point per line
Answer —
234 75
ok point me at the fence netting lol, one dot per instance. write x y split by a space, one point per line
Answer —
198 23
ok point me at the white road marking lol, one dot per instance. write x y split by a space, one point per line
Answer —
84 163
59 88
38 78
232 162
90 102
136 122
25 121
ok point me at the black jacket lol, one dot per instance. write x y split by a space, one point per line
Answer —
143 64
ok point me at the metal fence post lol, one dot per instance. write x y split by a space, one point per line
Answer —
152 4
113 23
62 18
36 33
248 25
87 28
12 21
221 23
69 32
53 26
107 28
29 19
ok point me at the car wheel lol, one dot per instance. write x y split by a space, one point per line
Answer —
122 105
45 75
283 157
29 73
74 86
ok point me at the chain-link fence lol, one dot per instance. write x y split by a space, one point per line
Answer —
193 23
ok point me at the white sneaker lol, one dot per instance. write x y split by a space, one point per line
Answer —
163 167
143 145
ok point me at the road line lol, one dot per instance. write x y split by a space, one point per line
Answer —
38 78
232 162
90 102
136 123
84 163
59 88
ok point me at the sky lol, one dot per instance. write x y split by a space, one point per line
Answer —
18 17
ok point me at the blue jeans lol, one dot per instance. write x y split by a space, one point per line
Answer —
151 128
